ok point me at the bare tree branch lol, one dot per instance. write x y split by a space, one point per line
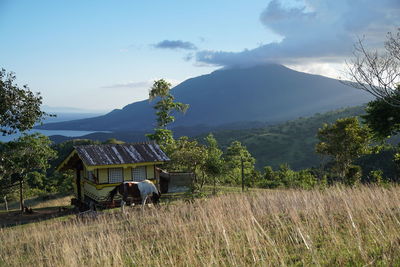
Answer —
376 72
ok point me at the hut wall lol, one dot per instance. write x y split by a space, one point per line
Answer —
103 176
150 172
128 174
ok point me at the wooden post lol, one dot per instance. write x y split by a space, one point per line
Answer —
5 203
21 197
241 159
215 185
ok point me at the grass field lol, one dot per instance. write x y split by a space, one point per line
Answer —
332 227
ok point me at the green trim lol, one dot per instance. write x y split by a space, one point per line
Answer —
131 165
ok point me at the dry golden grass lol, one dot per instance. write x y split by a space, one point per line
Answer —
38 202
332 227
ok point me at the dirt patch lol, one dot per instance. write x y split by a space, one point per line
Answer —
13 218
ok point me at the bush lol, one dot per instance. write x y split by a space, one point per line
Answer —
375 177
287 178
353 175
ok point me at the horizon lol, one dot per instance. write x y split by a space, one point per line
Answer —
103 56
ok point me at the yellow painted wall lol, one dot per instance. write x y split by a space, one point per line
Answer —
128 174
150 172
103 176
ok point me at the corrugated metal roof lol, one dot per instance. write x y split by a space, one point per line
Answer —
112 154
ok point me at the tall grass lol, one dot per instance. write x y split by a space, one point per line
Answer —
336 226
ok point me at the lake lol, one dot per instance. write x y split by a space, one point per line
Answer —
48 133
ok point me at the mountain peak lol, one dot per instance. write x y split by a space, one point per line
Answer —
267 93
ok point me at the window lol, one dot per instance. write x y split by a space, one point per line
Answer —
90 176
139 173
115 175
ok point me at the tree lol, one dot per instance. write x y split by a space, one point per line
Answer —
165 106
382 118
19 107
187 156
27 154
214 163
377 73
344 141
236 157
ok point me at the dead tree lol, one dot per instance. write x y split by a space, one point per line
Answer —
377 72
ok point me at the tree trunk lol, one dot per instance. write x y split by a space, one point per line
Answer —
215 185
21 197
6 203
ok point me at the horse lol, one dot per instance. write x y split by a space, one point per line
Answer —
131 191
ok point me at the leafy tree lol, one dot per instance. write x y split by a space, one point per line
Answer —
344 141
19 107
377 73
382 118
187 155
22 157
235 154
214 162
165 106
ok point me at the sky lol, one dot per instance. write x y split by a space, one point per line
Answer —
101 55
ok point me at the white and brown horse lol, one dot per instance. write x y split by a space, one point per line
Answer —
136 192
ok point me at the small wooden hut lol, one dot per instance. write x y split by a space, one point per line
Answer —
99 168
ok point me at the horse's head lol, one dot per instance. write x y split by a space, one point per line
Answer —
155 198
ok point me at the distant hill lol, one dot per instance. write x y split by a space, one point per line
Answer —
292 142
268 93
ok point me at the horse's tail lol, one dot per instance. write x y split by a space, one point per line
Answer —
112 193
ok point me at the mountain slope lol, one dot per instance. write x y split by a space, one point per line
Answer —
269 93
292 142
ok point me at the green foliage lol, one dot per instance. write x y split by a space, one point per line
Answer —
284 177
19 107
25 160
165 106
163 137
375 177
292 142
214 163
186 155
235 154
344 141
382 118
113 141
28 153
353 175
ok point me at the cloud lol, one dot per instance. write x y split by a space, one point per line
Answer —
139 85
131 85
314 31
175 44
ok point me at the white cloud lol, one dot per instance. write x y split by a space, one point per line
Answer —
314 31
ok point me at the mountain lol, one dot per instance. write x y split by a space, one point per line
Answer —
267 93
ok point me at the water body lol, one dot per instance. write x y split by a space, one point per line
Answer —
46 132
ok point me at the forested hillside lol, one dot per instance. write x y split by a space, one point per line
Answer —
291 142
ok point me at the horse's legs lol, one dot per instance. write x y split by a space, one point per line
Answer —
123 206
144 202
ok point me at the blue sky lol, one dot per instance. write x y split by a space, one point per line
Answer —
101 55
